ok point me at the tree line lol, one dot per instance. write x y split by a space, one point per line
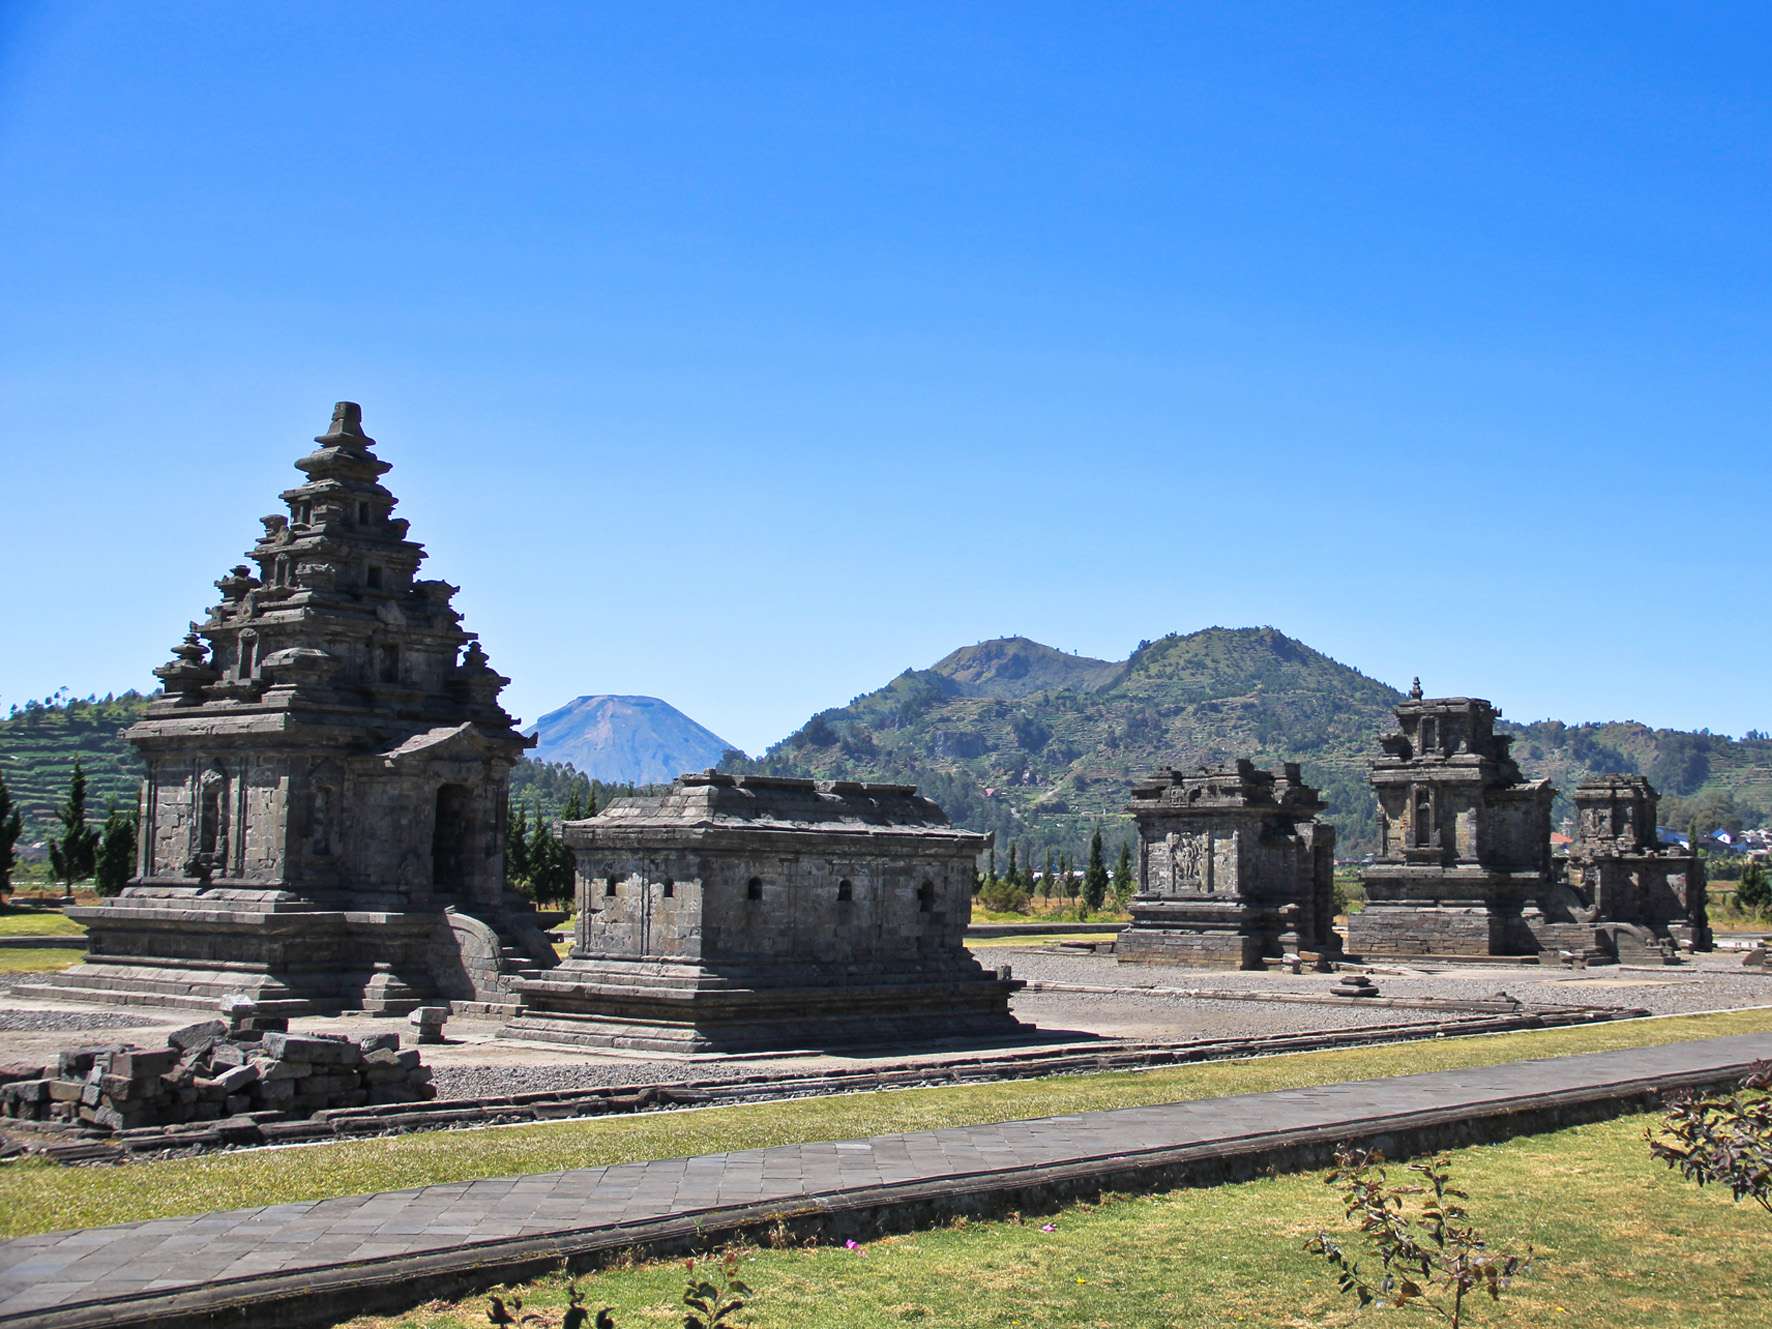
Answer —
1089 891
79 850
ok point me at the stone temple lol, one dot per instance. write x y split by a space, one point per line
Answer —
738 913
1464 838
1234 869
322 821
1619 873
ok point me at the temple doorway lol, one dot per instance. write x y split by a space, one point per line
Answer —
449 840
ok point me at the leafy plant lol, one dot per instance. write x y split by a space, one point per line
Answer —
576 1317
1429 1254
1725 1139
711 1305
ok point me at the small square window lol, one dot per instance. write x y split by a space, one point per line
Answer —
845 890
609 886
754 889
670 888
372 576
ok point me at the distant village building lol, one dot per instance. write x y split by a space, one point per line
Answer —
322 821
737 913
1234 869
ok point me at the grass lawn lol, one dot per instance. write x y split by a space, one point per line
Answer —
1620 1242
1047 939
38 923
1050 911
40 1197
38 960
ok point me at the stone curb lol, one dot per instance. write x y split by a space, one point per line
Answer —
543 1105
324 1294
74 943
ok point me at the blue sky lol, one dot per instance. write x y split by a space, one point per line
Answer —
744 355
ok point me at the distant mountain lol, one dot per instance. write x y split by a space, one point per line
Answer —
626 740
1015 666
1015 737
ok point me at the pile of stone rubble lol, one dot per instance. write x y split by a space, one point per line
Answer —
248 1066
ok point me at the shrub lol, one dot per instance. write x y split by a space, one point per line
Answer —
1755 892
1002 895
1431 1258
1726 1139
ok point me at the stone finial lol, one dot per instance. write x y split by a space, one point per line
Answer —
346 426
188 672
1415 689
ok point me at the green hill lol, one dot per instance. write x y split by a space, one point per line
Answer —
40 742
1017 738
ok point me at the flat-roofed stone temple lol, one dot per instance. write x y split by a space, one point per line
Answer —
1234 869
733 913
322 820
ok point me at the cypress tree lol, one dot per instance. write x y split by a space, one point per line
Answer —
517 848
1095 876
74 852
116 852
1123 876
11 826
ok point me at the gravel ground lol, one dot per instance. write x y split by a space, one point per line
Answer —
484 1081
55 1022
474 1063
1712 982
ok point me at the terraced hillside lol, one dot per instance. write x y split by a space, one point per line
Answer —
38 747
1015 737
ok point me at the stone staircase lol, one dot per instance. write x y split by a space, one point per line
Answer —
493 954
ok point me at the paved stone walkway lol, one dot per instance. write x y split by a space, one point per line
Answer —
114 1273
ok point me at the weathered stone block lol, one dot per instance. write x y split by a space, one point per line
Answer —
139 1063
313 1050
235 1079
194 1037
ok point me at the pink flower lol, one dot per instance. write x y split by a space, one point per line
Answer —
854 1246
1049 1227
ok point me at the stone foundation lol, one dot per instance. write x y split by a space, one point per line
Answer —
613 1003
185 947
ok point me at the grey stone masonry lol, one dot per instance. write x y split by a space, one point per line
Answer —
322 822
320 1261
1464 838
753 912
1233 869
